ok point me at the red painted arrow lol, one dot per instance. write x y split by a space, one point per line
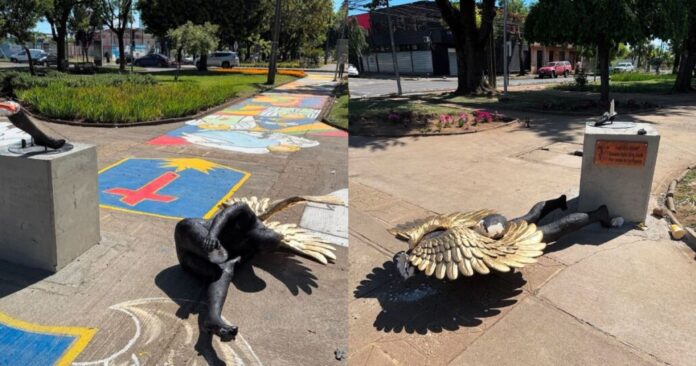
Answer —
149 191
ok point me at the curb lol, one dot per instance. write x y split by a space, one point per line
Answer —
327 110
198 115
668 205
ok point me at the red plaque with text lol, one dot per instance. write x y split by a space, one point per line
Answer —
621 153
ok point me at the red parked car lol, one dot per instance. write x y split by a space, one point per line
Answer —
555 68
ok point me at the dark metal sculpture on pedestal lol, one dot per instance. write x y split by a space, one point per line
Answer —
211 248
19 118
476 242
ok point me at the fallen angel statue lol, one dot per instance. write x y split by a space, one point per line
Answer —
242 230
476 242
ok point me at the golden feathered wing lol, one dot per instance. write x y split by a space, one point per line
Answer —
459 249
295 238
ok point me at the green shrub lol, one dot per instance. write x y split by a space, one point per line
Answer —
640 76
12 82
111 98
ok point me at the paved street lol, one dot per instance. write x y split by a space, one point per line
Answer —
597 297
370 86
130 293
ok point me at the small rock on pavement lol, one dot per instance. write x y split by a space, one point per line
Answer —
340 354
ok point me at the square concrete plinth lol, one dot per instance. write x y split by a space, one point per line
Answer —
618 165
49 207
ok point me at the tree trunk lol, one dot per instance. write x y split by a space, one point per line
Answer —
31 62
60 43
685 74
203 63
688 58
603 56
677 57
121 51
521 54
471 78
179 52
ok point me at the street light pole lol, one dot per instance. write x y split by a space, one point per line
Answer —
395 62
272 65
505 49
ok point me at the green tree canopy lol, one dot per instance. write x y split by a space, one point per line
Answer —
593 23
194 39
18 18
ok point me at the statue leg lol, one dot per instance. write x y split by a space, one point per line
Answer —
541 209
574 222
22 121
188 236
217 293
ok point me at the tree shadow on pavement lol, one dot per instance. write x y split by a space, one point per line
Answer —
189 292
424 304
374 143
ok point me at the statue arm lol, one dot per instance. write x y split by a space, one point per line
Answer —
238 213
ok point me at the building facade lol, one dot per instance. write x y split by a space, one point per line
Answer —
425 46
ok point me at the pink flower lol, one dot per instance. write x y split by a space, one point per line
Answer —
483 116
394 117
446 119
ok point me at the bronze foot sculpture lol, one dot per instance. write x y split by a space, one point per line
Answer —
18 117
212 248
476 242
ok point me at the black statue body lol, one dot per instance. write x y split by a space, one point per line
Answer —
211 249
19 118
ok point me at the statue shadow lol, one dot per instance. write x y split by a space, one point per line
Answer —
425 304
189 292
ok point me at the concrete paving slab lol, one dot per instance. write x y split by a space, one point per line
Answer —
535 333
644 289
329 222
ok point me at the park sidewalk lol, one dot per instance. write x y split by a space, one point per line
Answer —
597 297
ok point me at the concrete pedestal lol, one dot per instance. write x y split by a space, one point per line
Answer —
49 207
618 165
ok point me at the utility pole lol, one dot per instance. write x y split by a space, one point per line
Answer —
132 48
505 49
338 43
272 65
393 49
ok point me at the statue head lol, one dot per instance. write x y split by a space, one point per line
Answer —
492 226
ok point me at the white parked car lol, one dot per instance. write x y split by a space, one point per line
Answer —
23 57
222 59
623 67
353 71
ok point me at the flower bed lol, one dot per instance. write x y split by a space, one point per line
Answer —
262 71
416 123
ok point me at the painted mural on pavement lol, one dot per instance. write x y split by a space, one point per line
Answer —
10 134
156 327
269 122
168 188
23 343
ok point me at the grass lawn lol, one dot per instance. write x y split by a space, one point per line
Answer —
339 111
685 199
111 97
631 82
